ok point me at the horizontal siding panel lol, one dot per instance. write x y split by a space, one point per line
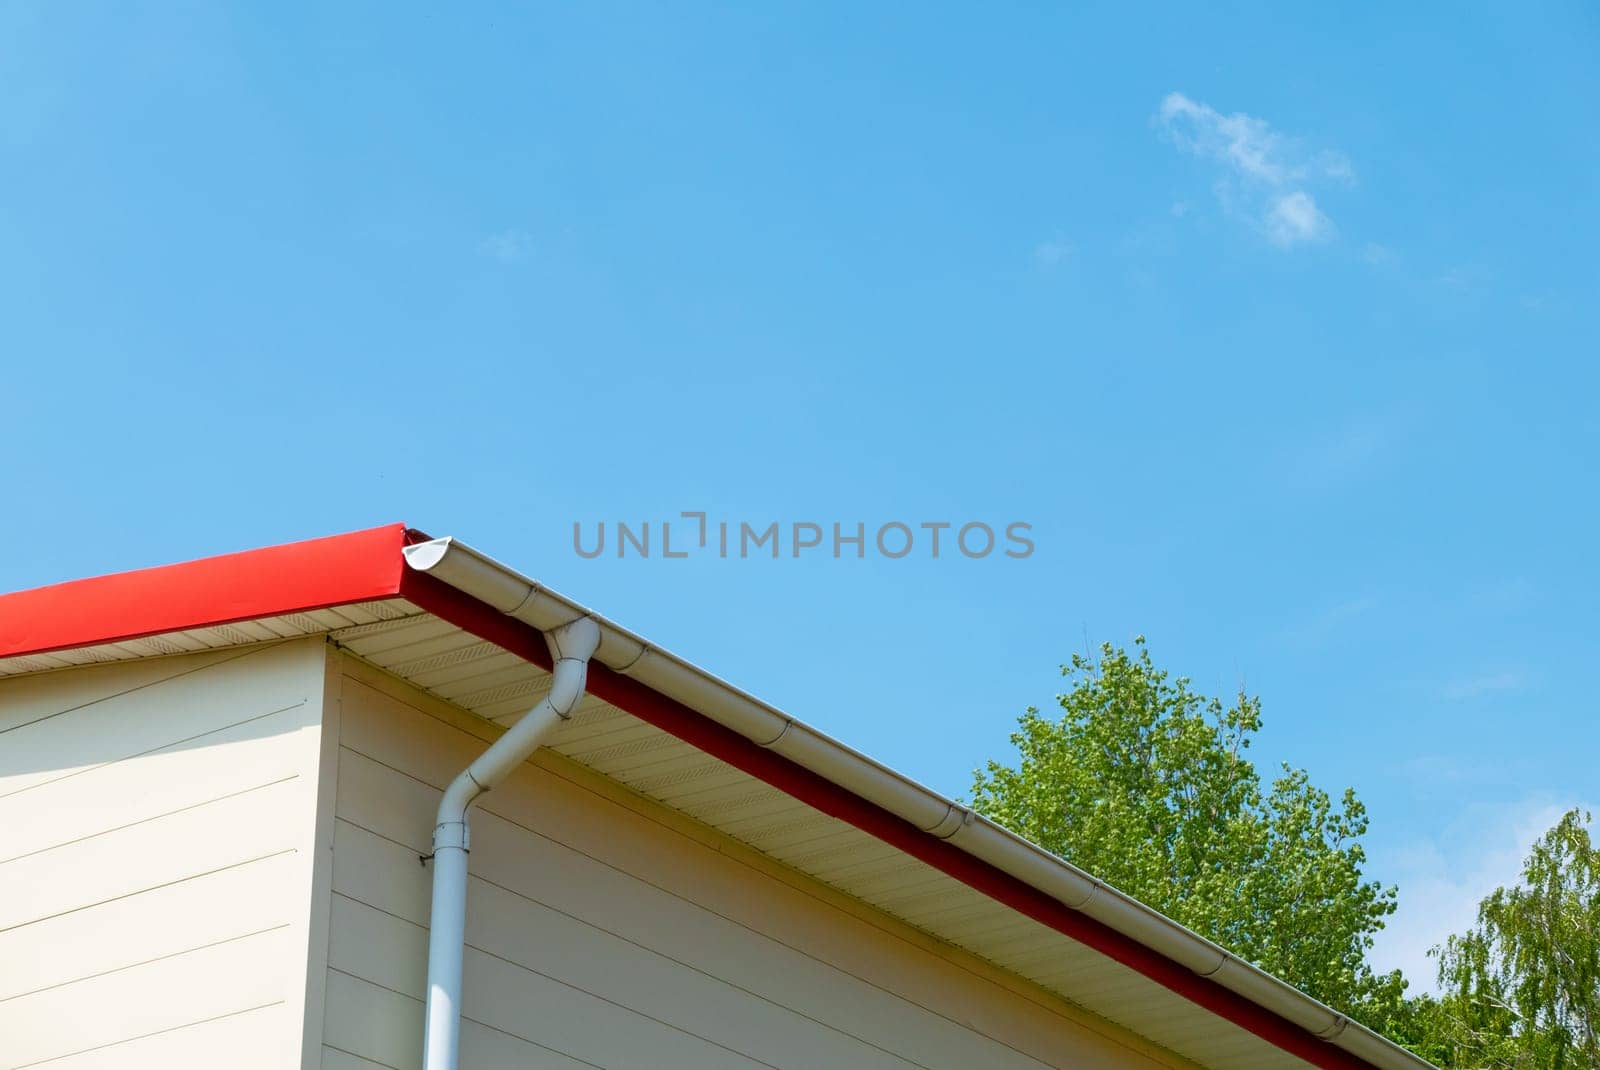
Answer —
260 749
377 1025
596 962
25 699
153 894
163 995
335 1059
240 828
611 868
147 925
372 1022
251 1040
181 705
615 1022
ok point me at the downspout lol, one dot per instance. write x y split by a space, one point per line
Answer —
571 646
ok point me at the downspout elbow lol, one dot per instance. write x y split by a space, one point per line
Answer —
571 647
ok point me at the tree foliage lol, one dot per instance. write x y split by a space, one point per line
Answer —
1521 989
1145 783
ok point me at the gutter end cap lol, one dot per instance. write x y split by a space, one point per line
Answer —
423 556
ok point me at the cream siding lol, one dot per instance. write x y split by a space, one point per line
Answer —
605 930
156 871
212 860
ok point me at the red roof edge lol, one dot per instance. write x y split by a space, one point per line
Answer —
358 566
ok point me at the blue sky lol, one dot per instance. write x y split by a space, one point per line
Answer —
1273 331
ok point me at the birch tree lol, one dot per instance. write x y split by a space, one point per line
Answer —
1521 989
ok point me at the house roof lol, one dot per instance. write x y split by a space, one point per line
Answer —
469 630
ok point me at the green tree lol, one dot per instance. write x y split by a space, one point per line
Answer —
1521 989
1145 783
1420 1023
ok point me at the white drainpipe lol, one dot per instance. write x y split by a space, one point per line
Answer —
571 645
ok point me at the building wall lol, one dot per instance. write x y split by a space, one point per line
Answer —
604 930
213 860
156 871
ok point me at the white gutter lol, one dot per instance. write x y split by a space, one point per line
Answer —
571 645
487 580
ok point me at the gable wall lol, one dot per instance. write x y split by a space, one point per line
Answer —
212 859
156 862
604 930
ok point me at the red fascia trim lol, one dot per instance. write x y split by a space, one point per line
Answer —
356 567
670 716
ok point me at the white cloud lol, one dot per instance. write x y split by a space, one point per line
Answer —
1244 142
1443 879
1294 217
508 246
1264 173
